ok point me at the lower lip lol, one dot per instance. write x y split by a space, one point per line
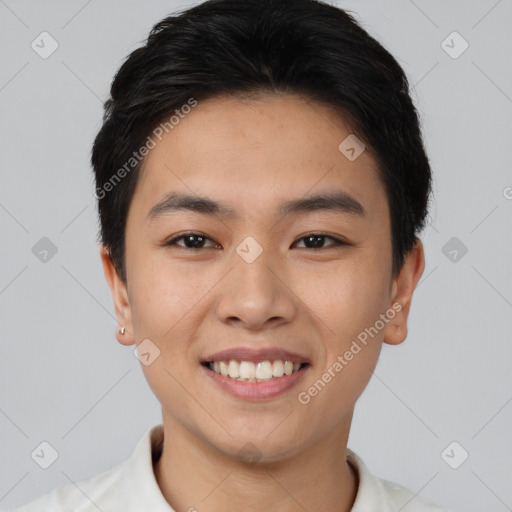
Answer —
254 391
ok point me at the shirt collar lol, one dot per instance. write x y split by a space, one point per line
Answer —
371 494
145 494
139 479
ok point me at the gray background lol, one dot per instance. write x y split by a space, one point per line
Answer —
64 378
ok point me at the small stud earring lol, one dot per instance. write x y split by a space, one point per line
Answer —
122 330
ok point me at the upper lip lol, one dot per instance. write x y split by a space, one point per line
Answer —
256 355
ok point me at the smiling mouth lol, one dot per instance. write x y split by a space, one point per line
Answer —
249 371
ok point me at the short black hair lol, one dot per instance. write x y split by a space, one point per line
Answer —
244 47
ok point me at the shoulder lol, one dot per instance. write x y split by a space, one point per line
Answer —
404 499
130 485
85 495
379 494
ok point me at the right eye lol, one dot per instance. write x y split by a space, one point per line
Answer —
191 240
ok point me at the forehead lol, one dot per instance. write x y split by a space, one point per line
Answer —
254 152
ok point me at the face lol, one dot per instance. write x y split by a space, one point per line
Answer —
264 276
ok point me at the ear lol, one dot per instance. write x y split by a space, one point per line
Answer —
402 289
120 296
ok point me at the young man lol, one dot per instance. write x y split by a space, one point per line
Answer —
261 183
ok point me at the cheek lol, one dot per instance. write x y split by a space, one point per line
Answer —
162 293
165 304
349 303
348 299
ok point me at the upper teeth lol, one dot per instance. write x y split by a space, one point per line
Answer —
249 371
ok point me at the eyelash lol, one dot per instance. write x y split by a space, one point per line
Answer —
337 241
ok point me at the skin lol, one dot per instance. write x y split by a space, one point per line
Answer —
254 154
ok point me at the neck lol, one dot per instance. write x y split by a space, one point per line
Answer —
194 475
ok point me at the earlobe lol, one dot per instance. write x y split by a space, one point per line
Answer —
402 290
124 332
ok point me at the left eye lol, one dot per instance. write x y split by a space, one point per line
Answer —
196 241
316 239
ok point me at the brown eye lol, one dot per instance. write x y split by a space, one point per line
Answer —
316 241
190 241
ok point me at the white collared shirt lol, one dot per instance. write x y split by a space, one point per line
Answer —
132 487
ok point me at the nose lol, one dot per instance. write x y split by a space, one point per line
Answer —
256 295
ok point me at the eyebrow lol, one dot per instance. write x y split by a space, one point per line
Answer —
338 201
